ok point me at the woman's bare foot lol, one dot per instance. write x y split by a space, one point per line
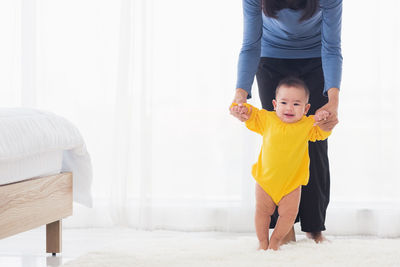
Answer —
318 237
291 236
263 245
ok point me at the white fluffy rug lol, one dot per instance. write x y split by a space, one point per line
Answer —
234 250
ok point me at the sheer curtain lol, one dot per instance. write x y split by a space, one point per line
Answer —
149 82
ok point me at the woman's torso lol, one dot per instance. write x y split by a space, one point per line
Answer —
288 37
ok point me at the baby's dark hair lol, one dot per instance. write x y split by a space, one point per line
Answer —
293 81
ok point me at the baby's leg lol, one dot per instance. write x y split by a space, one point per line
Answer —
288 208
264 209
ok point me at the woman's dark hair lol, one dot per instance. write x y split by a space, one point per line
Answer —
309 7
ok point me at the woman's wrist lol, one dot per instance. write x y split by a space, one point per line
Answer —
241 95
333 95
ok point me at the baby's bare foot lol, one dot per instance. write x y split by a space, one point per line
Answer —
263 245
274 244
318 237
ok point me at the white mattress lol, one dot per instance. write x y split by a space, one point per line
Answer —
39 143
37 165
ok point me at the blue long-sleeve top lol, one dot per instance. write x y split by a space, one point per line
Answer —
287 37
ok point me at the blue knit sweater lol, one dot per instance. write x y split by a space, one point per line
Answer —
287 37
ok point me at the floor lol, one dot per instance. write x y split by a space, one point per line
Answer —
28 249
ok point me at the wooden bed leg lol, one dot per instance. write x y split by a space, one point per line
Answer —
53 237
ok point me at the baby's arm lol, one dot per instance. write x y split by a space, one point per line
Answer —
254 118
319 131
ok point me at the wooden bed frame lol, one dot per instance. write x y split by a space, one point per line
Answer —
35 202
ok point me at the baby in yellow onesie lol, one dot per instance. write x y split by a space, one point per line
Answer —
283 164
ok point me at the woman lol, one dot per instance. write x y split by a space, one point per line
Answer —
296 38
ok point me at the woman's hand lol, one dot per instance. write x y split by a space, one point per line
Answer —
332 107
239 111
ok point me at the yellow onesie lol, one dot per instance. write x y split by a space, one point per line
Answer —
283 163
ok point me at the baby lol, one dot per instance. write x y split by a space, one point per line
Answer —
283 164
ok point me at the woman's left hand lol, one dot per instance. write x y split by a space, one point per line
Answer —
332 107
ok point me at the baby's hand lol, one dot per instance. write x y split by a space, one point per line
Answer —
242 111
321 115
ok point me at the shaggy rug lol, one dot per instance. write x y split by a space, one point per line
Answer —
192 250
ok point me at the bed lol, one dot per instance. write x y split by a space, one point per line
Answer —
44 167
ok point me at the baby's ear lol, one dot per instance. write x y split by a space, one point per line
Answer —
307 109
274 103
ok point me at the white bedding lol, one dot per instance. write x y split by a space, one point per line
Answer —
43 164
30 137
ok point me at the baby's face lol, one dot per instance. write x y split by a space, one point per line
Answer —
291 104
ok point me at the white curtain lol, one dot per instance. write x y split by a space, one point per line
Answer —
149 82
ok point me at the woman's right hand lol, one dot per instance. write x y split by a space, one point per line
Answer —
237 110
